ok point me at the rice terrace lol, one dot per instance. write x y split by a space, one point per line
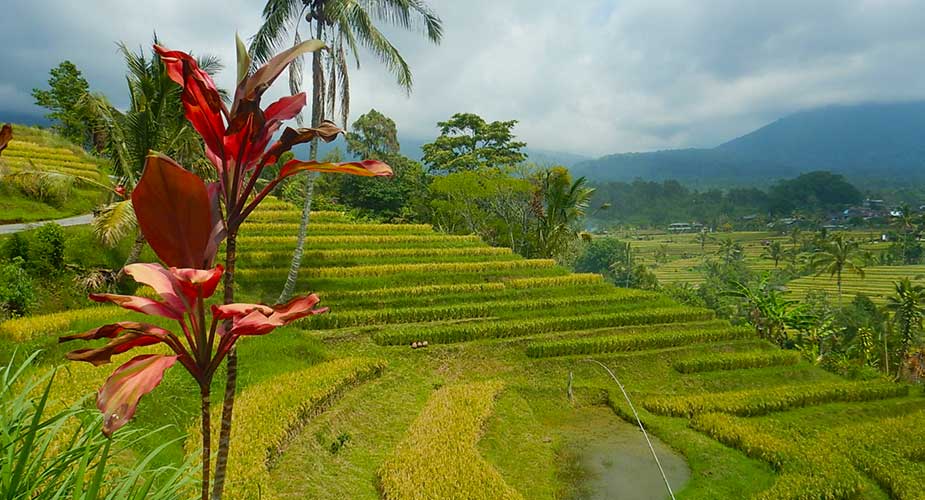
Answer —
214 285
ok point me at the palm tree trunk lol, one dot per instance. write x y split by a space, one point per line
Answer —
317 109
133 255
296 263
231 375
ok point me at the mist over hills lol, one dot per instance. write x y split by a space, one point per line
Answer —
878 144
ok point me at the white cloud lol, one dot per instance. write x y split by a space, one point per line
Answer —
587 76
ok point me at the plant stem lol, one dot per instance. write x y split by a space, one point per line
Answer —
231 377
206 418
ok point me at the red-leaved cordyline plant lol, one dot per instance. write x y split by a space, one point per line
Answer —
184 220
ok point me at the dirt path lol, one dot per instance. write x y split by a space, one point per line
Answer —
78 220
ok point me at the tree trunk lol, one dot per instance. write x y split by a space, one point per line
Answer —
317 111
206 418
231 376
133 255
296 263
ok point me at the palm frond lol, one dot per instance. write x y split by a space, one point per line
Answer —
413 15
114 221
277 15
365 30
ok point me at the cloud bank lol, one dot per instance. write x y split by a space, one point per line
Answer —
586 76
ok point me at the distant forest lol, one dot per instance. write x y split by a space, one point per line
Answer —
814 196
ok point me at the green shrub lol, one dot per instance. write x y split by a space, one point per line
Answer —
46 253
17 292
16 246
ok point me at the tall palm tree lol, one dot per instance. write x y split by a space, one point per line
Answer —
774 251
345 26
703 238
836 255
908 307
154 121
558 205
730 250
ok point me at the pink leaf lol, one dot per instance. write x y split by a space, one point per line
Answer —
365 168
119 396
143 305
126 335
162 281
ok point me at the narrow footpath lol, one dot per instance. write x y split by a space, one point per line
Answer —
77 220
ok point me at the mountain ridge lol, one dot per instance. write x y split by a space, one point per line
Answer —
869 142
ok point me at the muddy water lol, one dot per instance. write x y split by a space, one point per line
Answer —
617 463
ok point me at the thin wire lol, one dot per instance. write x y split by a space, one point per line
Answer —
638 421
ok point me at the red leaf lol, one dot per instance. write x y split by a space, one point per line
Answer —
143 305
126 335
286 108
365 168
192 281
327 131
201 100
6 135
252 87
161 280
119 396
258 319
174 213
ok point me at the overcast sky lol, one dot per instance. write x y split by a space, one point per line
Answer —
583 76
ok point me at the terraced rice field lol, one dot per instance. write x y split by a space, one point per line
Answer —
877 283
685 254
340 406
35 150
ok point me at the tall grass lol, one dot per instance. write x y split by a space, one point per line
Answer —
63 454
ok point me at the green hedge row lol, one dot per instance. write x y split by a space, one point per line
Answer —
463 332
636 341
282 228
767 400
358 241
389 316
736 361
476 309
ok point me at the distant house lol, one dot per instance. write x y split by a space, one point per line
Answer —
877 205
684 227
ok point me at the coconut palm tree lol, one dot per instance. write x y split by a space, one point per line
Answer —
908 307
836 255
154 121
703 238
345 26
730 250
558 205
774 251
